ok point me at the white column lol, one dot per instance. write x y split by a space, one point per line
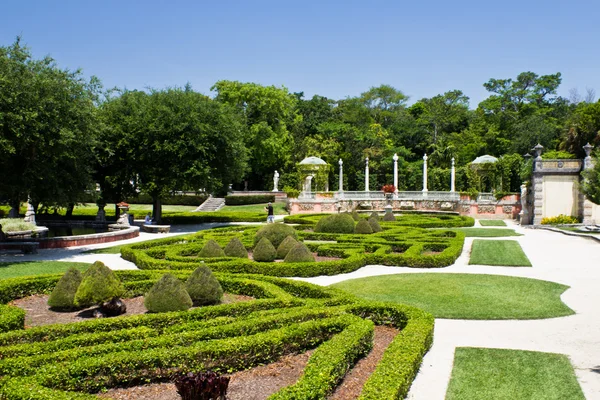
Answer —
452 177
367 174
425 173
395 158
341 185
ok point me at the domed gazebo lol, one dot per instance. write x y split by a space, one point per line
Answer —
482 166
317 168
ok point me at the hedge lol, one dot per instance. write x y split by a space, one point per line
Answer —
243 200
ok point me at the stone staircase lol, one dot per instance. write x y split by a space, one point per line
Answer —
211 204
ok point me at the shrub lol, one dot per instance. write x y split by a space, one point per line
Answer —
168 294
242 200
202 386
264 251
211 249
16 224
235 248
203 287
99 284
63 295
363 227
300 253
336 223
389 217
355 215
285 246
276 233
375 215
560 220
374 222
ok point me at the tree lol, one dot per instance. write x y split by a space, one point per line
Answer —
443 114
47 129
582 127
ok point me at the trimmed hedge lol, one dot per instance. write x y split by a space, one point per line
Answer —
254 199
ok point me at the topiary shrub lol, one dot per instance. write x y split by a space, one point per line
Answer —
264 251
63 295
211 249
363 227
168 294
235 248
203 288
374 222
285 246
276 233
355 215
336 223
99 284
389 217
300 253
375 215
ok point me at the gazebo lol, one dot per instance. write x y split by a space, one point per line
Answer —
482 166
314 168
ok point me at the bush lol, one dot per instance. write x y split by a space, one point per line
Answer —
242 200
264 251
300 253
203 288
285 247
175 200
375 215
202 386
11 318
211 249
168 294
389 217
374 222
235 248
355 215
276 233
336 223
63 295
363 227
560 220
99 284
291 193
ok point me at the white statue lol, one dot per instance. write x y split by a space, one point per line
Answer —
275 181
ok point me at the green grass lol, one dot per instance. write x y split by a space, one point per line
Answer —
106 250
577 230
492 222
465 296
501 374
278 208
13 270
498 252
484 232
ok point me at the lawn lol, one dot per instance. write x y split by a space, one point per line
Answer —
13 270
465 296
484 232
498 252
501 374
278 208
492 222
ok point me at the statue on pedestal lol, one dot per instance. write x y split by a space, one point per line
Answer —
275 181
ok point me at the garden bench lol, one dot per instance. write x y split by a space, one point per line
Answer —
156 228
25 247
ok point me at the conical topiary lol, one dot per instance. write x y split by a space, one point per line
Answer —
363 226
389 217
375 215
276 233
203 287
211 249
99 284
300 253
168 294
264 251
285 246
235 248
355 216
336 223
375 225
63 295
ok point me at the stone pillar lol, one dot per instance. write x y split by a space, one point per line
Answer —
588 206
367 174
538 185
452 177
395 158
341 183
425 173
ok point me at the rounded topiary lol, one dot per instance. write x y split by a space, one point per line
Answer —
203 287
300 253
235 248
99 284
63 295
168 294
276 233
363 226
264 251
336 223
211 249
285 246
375 225
375 215
389 217
355 215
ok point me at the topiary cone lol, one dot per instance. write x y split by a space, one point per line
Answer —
300 253
211 249
168 294
99 284
375 225
63 295
235 248
203 287
264 251
363 227
285 246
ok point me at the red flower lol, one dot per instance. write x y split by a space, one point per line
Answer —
122 204
389 189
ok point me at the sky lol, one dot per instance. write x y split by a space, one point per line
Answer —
336 49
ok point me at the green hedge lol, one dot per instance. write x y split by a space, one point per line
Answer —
219 216
243 200
11 318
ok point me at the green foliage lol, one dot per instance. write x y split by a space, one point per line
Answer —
11 318
591 182
184 218
336 223
389 217
211 249
560 220
374 215
168 294
276 233
235 248
264 251
291 193
99 284
355 216
557 155
363 227
63 295
203 287
300 253
255 199
285 247
374 223
16 224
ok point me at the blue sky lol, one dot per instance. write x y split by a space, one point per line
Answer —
331 48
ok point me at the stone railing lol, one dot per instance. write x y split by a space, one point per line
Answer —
441 196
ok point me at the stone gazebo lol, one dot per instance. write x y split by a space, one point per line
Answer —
314 168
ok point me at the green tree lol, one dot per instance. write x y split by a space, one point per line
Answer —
443 114
582 127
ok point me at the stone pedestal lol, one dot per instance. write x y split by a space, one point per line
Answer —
101 215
